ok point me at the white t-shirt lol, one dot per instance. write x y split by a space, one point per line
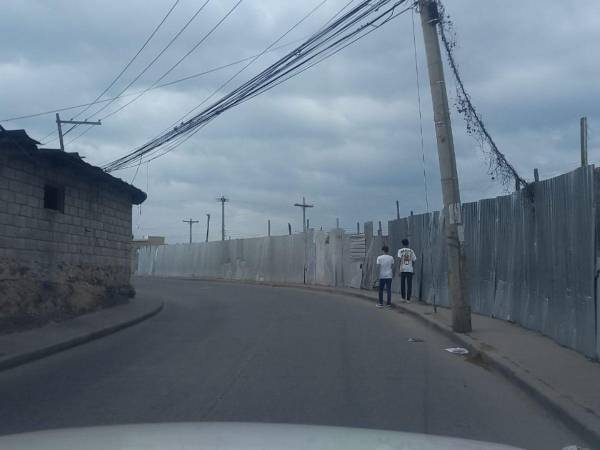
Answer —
385 263
406 257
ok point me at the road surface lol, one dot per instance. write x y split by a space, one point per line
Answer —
234 352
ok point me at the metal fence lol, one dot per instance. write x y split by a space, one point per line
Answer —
530 258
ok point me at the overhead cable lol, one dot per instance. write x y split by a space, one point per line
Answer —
360 20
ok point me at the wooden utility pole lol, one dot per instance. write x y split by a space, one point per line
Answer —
397 210
461 312
191 222
59 123
207 225
289 228
304 205
223 200
584 141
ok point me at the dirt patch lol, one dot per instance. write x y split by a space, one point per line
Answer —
478 360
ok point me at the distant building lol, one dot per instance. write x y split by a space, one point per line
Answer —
65 232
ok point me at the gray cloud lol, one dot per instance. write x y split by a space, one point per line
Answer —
344 134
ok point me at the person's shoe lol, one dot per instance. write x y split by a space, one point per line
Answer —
407 301
389 305
379 305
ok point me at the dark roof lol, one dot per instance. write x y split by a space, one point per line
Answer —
10 138
19 142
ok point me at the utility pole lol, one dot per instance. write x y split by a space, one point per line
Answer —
223 200
357 227
207 225
289 228
304 205
59 123
397 210
461 312
337 222
536 175
269 227
191 222
584 141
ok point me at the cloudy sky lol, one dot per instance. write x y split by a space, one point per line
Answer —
344 134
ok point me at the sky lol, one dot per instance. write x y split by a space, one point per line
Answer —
345 134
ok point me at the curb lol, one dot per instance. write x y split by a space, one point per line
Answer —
23 358
558 404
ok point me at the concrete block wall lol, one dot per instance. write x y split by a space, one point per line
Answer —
53 262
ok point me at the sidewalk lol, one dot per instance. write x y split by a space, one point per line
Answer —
20 348
563 380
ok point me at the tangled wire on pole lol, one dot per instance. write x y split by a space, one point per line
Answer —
498 165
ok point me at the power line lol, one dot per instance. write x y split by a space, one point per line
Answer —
270 47
177 144
168 83
252 61
112 83
153 85
371 14
137 77
174 66
412 15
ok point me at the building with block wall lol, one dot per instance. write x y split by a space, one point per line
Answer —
65 233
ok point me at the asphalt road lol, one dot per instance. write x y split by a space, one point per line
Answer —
233 352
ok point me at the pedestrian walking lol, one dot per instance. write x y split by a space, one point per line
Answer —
385 263
406 258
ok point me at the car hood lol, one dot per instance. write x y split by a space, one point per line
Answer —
233 436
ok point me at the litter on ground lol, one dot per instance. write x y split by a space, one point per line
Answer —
458 350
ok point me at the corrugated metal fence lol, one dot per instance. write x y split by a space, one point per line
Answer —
530 257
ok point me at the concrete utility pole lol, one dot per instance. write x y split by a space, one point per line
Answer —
269 227
207 225
289 228
304 205
461 312
536 175
397 210
191 222
223 200
584 141
59 123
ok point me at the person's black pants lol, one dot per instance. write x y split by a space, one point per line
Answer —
406 285
387 284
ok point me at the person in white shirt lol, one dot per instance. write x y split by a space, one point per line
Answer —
385 263
406 258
